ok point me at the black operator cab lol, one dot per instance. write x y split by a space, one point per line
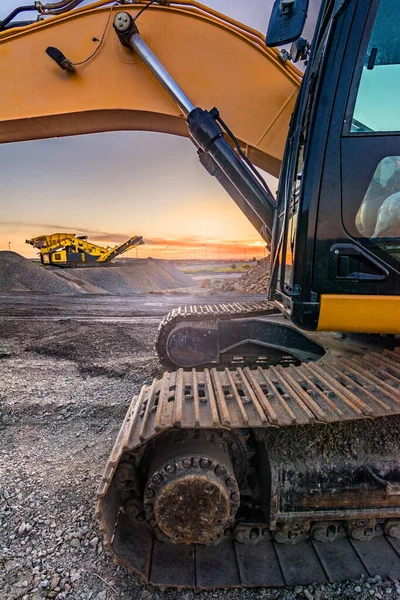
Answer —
336 242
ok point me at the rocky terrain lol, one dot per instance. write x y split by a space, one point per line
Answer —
255 281
65 385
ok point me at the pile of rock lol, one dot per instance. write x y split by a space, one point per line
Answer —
131 277
255 281
18 274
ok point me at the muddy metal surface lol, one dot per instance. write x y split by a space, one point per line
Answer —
69 367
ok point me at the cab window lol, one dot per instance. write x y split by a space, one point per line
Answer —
370 150
377 103
379 214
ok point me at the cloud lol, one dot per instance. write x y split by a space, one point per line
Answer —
95 234
108 237
53 226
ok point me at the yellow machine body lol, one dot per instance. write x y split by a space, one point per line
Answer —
115 91
70 250
362 314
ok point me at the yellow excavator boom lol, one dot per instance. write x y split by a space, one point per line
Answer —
228 66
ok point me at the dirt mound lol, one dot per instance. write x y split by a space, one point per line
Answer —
79 286
156 275
106 279
18 274
147 275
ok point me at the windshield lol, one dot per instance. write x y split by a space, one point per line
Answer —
376 118
377 104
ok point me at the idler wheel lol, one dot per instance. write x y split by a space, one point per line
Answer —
191 495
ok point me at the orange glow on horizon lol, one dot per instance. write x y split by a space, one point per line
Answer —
163 195
173 250
191 246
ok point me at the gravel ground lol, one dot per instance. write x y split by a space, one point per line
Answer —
64 388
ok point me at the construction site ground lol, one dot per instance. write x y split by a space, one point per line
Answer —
69 368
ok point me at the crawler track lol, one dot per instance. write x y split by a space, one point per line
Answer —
206 313
267 564
331 392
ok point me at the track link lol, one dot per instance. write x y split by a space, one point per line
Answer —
332 390
336 391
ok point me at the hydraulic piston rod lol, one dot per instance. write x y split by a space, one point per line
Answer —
162 75
239 179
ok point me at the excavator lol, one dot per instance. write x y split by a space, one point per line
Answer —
268 453
71 250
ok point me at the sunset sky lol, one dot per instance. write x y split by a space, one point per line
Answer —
113 185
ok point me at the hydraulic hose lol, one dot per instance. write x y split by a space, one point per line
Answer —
16 12
65 8
56 5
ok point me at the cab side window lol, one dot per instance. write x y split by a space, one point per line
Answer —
370 148
379 214
377 103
